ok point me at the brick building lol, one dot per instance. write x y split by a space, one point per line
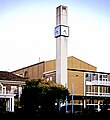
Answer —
91 88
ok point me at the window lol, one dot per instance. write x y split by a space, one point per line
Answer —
1 88
94 76
87 76
96 89
100 77
14 89
51 78
26 74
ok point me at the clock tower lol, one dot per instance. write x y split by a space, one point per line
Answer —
61 33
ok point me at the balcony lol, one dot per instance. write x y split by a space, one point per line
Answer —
96 82
98 94
3 91
7 92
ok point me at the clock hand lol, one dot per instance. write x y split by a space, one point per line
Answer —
64 31
56 32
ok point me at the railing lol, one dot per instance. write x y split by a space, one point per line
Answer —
7 92
96 82
4 91
91 93
97 94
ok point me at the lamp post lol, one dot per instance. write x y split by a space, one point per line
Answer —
72 99
66 104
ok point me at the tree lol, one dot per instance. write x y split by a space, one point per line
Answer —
42 95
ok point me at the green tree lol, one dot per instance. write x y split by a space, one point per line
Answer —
42 95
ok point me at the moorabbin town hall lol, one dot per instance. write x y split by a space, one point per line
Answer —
91 89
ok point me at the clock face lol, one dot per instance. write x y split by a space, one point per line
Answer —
57 31
61 30
65 31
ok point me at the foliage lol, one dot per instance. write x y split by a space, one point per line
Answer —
42 95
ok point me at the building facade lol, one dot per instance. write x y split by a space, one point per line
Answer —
10 91
89 87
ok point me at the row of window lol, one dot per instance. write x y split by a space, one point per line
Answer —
14 89
97 76
97 89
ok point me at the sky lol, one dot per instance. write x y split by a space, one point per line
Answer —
27 32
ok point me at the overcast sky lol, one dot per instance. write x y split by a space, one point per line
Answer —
27 32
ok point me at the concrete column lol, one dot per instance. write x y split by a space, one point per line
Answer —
61 47
12 104
1 88
19 94
19 91
84 103
98 105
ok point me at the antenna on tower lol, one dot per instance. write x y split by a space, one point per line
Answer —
39 59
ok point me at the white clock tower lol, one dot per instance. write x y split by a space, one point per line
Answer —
61 33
